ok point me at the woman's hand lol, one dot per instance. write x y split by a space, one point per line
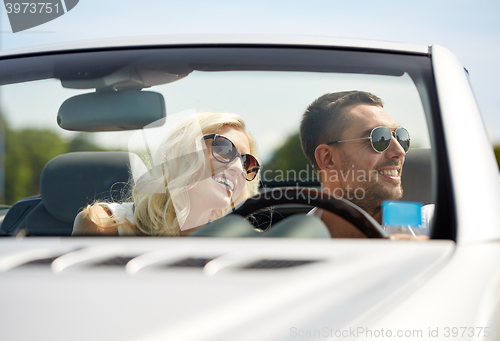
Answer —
84 225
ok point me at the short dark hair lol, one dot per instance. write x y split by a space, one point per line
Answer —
325 119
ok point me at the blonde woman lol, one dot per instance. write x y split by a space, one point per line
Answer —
198 179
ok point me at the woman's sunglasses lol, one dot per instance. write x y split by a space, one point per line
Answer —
381 137
224 151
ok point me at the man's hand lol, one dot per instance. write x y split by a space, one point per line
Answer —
404 236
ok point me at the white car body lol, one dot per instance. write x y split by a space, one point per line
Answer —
357 289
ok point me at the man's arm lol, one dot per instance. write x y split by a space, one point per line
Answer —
406 236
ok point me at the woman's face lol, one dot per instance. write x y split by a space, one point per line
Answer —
225 181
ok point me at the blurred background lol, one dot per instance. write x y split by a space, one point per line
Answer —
470 29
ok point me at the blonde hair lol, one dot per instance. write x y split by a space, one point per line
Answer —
161 207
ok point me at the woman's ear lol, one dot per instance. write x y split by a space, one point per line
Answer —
324 157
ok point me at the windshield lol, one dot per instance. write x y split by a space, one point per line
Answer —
114 101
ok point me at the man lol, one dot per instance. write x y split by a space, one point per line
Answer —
355 158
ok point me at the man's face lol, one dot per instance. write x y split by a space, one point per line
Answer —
367 176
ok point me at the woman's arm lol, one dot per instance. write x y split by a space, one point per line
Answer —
83 225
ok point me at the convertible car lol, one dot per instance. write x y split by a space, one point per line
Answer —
79 120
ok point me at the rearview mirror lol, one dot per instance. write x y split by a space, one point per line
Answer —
111 110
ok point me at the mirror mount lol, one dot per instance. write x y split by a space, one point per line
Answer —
127 78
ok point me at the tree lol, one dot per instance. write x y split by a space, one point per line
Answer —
18 173
27 151
496 149
82 142
289 162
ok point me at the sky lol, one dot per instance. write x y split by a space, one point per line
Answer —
470 29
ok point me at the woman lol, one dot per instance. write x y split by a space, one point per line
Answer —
206 167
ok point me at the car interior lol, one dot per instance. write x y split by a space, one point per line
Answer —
117 92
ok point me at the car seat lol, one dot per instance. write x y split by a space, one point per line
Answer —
68 183
417 176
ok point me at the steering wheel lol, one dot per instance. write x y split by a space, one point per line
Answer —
306 196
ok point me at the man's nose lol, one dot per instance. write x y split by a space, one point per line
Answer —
395 151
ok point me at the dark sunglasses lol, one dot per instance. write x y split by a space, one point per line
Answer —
224 151
381 137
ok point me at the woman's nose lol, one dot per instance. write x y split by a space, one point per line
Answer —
236 166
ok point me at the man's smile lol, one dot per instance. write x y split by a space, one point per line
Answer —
393 173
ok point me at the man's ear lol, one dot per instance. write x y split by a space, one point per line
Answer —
324 157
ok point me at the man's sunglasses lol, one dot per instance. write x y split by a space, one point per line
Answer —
224 151
381 137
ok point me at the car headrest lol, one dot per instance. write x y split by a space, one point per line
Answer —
69 182
417 177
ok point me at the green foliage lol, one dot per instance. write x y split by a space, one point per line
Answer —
26 153
18 173
83 143
288 161
496 149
